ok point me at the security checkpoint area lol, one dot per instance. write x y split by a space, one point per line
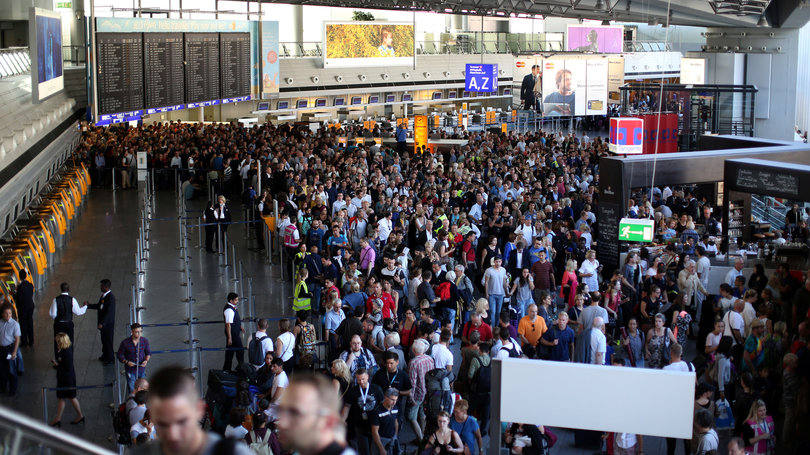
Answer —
351 227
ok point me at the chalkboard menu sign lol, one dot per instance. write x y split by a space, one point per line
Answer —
234 64
119 72
163 70
607 222
766 181
202 67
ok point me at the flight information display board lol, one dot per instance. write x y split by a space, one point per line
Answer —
163 61
234 64
202 67
119 72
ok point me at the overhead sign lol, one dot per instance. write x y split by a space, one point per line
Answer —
636 230
607 39
626 135
481 77
693 71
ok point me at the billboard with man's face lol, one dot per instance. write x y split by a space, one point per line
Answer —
575 86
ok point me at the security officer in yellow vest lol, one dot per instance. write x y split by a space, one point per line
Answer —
302 298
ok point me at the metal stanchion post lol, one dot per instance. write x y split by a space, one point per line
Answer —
113 178
199 232
219 238
45 404
233 264
268 242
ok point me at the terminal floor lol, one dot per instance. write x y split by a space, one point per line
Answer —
103 245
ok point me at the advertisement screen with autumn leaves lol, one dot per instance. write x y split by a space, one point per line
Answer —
351 44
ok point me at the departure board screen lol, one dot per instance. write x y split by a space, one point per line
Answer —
202 67
234 64
119 72
163 71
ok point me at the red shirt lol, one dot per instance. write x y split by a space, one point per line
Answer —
469 251
484 330
388 304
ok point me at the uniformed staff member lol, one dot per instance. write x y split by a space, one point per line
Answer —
233 332
24 298
302 298
106 321
62 310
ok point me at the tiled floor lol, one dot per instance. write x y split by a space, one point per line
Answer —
103 246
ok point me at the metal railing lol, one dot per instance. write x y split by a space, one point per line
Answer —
769 210
74 54
20 434
14 61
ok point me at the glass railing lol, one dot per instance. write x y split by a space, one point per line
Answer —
20 434
474 43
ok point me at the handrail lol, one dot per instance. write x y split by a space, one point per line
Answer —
23 427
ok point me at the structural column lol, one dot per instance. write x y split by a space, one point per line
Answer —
298 28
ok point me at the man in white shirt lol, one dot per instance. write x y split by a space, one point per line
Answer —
527 230
676 364
735 325
384 227
704 266
598 342
280 380
495 284
338 205
262 337
62 310
442 357
734 272
476 211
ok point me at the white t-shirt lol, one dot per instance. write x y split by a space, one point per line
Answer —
229 314
442 357
138 428
748 315
726 303
494 278
287 344
679 366
279 381
503 351
733 320
713 340
598 344
703 267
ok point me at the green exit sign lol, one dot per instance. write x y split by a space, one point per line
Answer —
636 230
64 4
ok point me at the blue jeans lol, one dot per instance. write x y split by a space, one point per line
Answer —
522 307
316 297
450 314
495 304
134 376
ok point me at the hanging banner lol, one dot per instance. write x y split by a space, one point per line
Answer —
270 63
664 132
420 132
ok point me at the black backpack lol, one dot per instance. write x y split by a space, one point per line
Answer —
439 393
483 383
255 356
120 421
513 353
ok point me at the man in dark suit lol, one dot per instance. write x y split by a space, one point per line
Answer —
527 92
106 321
518 259
25 309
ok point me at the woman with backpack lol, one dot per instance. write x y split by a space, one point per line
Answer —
260 439
306 337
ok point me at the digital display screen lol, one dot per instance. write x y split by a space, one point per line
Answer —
320 102
390 98
283 104
119 72
373 99
357 100
437 95
356 44
340 101
407 97
300 104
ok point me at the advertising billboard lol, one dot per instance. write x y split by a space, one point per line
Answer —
660 133
605 39
480 77
45 38
521 67
574 86
693 71
348 44
269 53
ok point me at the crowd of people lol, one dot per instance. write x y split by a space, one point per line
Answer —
405 264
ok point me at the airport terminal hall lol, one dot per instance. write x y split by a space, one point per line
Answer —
404 227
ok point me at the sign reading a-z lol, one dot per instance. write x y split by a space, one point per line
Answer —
481 77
